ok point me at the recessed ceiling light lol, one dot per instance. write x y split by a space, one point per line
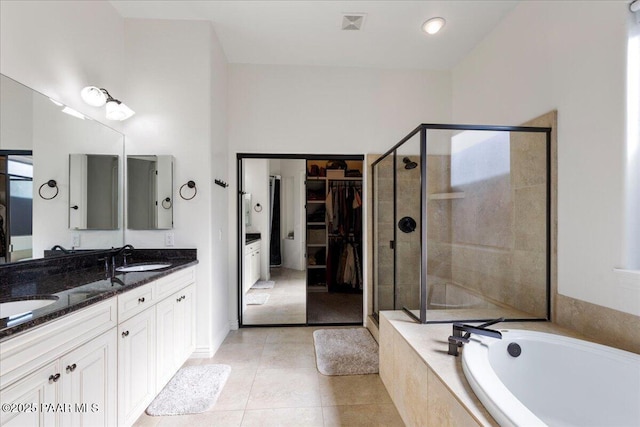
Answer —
433 25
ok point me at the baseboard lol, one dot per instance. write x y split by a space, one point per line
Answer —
234 325
204 352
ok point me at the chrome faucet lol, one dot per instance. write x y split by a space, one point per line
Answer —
458 339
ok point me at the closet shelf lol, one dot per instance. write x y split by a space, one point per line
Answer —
447 196
316 245
316 223
316 266
315 201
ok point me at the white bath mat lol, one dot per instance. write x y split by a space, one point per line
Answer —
351 351
256 299
192 390
264 284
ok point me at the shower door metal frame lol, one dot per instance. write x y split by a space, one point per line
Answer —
422 129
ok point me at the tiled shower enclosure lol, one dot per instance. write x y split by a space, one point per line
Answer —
461 223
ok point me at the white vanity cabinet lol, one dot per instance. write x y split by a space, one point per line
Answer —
154 342
101 365
252 264
62 373
78 389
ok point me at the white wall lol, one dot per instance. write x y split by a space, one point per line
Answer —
571 57
325 110
59 47
175 75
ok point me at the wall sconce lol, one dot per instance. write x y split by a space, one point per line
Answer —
98 97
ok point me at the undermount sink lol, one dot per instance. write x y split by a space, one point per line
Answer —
141 267
21 307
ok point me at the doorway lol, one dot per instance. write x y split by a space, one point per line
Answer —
293 268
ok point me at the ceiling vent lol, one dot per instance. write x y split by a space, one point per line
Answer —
353 21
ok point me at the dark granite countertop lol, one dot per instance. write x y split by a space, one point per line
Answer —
251 237
78 288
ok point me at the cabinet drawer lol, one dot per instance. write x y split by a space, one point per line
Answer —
252 247
135 301
167 285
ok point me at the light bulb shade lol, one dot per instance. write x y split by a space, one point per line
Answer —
116 110
433 25
94 96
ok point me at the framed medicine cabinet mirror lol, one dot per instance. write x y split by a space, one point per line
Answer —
93 191
149 192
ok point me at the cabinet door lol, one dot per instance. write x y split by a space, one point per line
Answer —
89 383
255 267
185 320
247 273
166 327
32 400
136 365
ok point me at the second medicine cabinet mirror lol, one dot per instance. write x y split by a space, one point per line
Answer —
149 192
93 192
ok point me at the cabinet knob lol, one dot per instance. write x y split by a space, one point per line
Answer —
54 378
140 300
71 368
125 334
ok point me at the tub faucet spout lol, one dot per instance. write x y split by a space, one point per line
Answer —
457 340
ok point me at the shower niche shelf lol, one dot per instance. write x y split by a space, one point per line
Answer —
447 196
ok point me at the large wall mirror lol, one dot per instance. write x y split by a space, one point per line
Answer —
38 137
149 192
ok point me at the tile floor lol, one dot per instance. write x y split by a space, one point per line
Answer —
274 382
287 300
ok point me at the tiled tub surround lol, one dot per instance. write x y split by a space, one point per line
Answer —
425 383
79 280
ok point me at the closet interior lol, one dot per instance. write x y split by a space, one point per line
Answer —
334 241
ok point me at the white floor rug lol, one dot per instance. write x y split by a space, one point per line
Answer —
256 299
351 351
264 284
192 390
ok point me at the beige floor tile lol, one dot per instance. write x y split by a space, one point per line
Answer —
235 393
238 356
307 417
362 416
284 388
147 421
287 355
352 390
247 336
290 335
206 419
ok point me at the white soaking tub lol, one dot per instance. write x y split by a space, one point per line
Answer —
555 381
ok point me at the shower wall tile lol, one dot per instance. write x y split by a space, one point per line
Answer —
528 159
605 325
530 212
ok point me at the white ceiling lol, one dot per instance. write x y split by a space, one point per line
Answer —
298 32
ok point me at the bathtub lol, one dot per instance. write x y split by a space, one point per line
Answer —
555 381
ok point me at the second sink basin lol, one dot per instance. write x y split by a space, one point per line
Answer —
142 267
20 307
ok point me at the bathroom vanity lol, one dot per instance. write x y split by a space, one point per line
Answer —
252 261
102 352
